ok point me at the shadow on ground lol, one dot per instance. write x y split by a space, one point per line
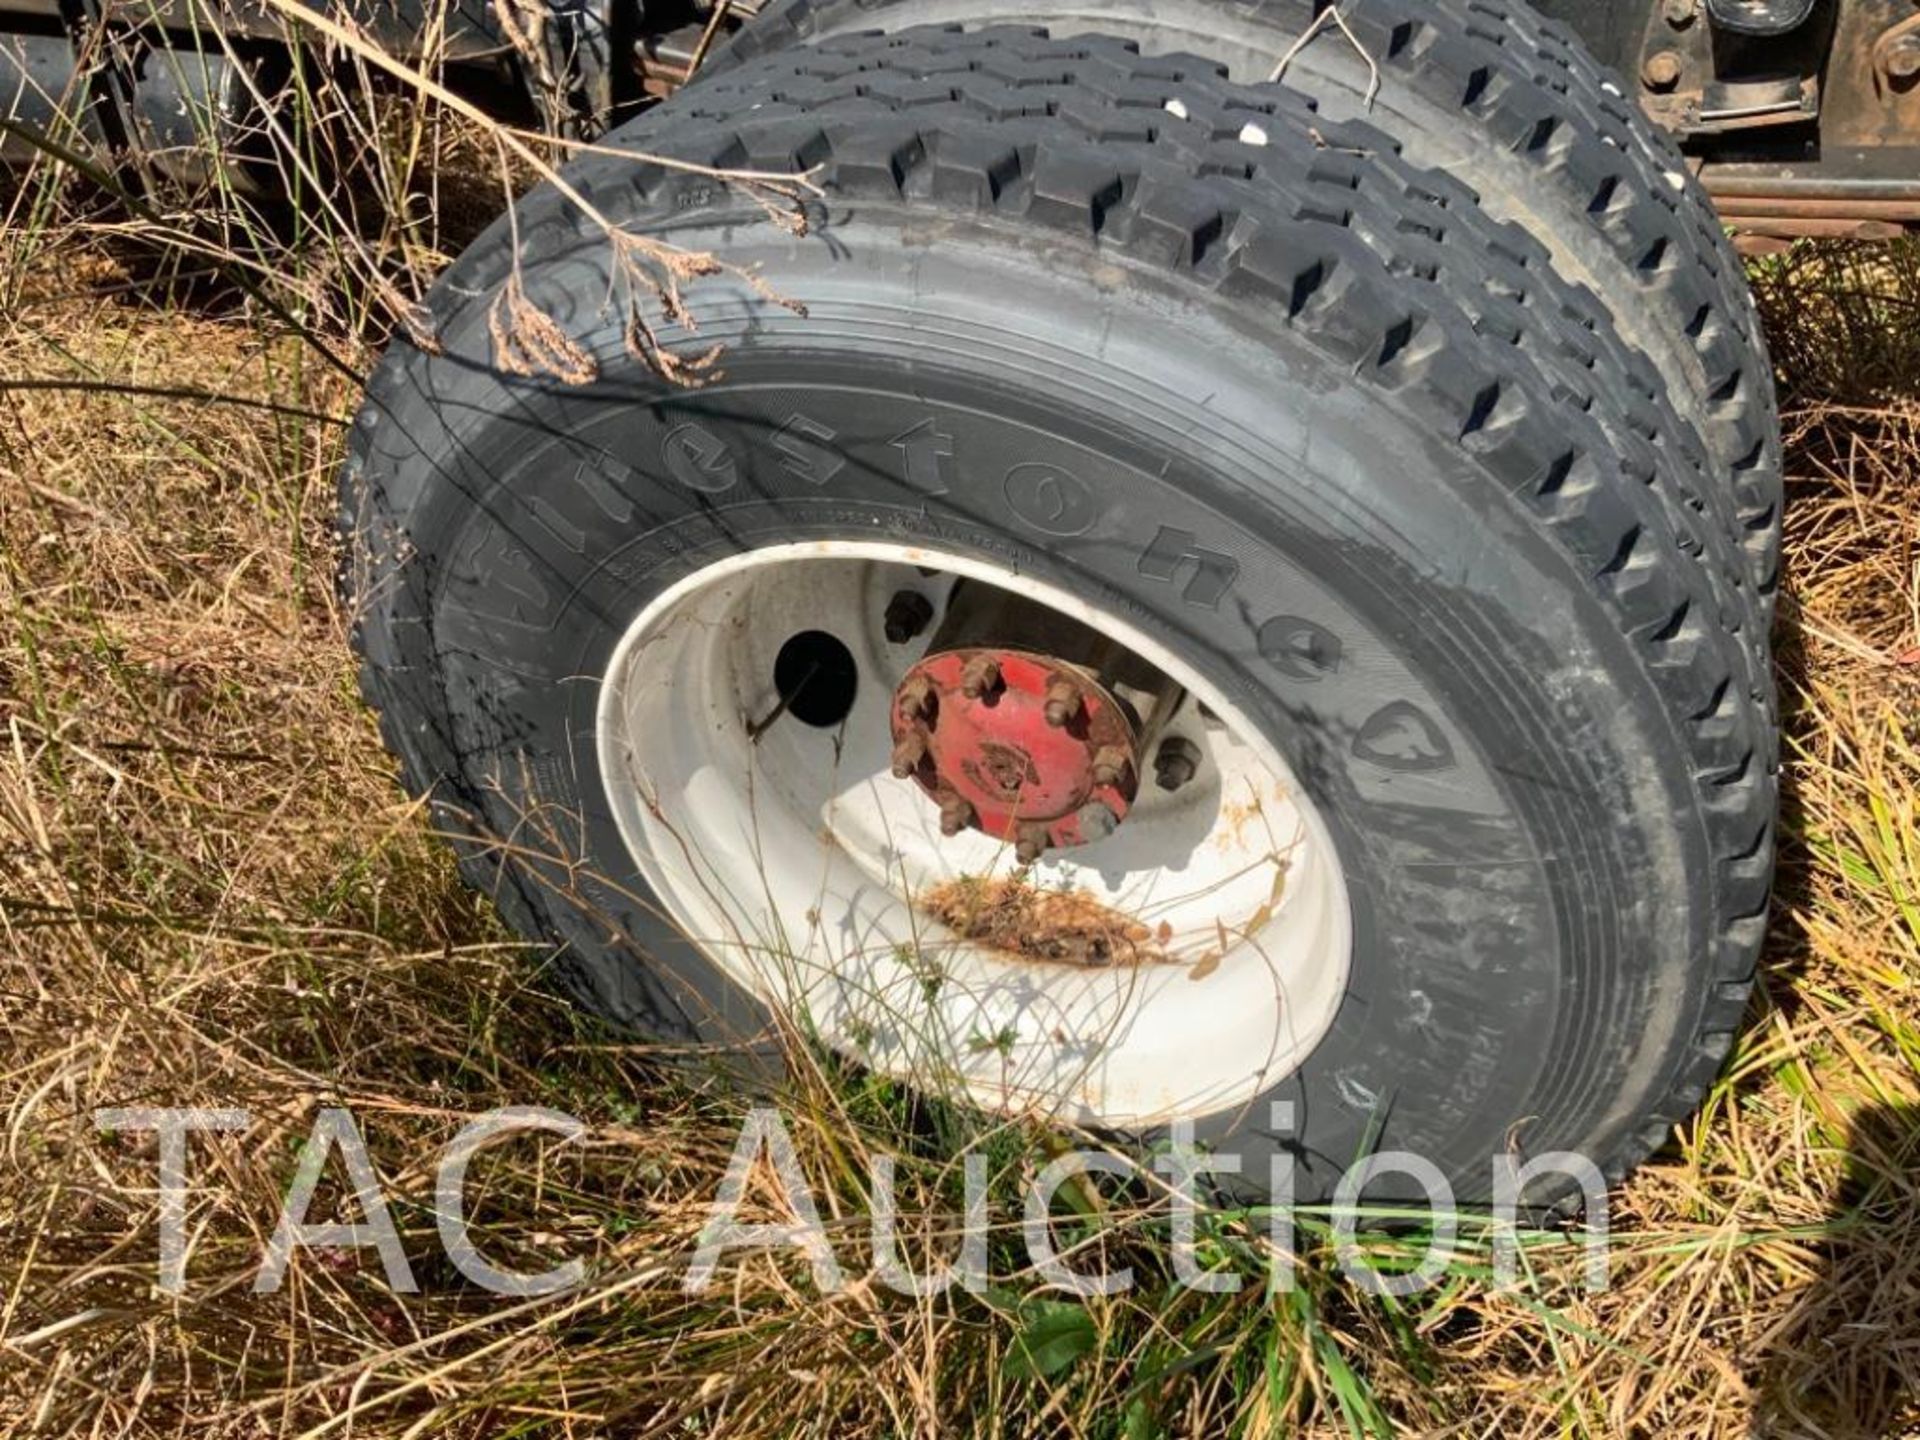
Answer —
1845 1363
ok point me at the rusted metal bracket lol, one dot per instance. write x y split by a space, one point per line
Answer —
1752 66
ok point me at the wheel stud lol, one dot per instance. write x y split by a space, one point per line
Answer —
1109 764
916 698
1097 822
1176 762
1063 702
908 754
981 677
1031 843
907 615
955 815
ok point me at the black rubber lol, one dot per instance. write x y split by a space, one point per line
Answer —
1512 104
1389 479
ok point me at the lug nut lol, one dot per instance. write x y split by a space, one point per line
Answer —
907 615
1031 843
955 815
1063 702
1109 764
1680 13
1176 762
981 677
916 698
1097 822
908 754
1662 70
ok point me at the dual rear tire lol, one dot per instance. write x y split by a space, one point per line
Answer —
1442 561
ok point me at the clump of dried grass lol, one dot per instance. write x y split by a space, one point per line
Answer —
211 892
338 193
1051 926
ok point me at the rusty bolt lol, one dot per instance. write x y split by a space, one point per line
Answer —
981 677
908 754
1097 822
907 615
1063 702
916 698
1663 70
1031 843
1680 13
1902 58
955 815
1109 764
1176 762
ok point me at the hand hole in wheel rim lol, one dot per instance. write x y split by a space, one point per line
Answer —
816 678
806 870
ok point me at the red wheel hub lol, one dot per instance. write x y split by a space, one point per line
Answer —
1021 746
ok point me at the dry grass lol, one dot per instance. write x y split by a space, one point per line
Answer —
212 892
1057 927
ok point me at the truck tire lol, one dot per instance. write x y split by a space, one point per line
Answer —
1507 101
1413 591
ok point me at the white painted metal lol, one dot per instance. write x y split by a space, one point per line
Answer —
797 862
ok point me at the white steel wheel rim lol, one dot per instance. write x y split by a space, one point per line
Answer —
798 864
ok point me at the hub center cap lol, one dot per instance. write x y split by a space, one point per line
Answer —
1024 747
